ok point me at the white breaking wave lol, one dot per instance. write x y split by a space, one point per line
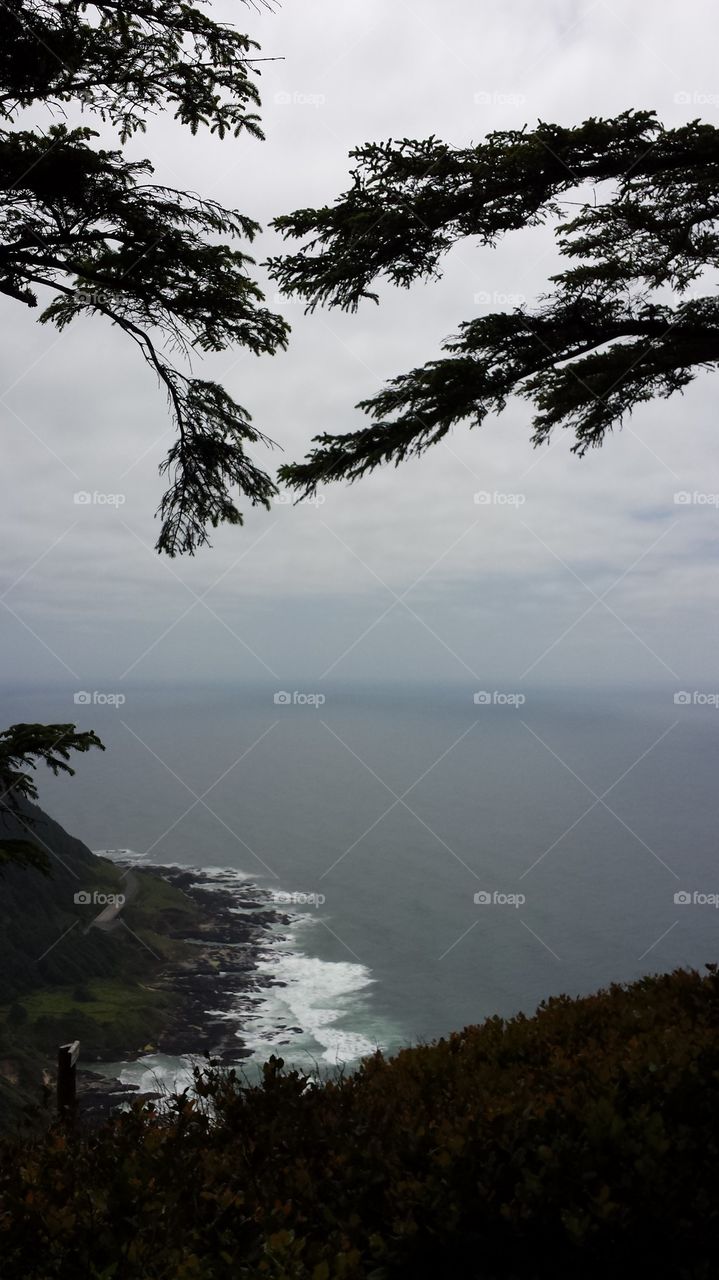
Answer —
309 1013
119 855
304 1017
223 877
153 1073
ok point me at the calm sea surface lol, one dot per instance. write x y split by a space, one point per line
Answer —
580 815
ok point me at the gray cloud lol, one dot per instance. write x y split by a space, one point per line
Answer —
497 583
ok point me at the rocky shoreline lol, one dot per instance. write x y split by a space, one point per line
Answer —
214 982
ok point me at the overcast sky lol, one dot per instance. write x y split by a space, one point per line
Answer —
405 574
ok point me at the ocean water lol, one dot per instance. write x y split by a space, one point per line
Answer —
574 819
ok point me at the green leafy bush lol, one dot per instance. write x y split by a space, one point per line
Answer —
581 1142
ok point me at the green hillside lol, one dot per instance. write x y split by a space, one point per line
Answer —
62 977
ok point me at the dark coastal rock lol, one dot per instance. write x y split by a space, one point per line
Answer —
98 1096
211 987
221 971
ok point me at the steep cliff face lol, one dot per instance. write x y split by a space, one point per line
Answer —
83 951
44 935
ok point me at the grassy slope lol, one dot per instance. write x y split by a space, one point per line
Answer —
60 980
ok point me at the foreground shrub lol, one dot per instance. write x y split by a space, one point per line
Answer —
581 1142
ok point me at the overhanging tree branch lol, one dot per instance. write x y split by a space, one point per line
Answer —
601 342
163 265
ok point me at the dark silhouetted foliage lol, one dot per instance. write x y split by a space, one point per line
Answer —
624 323
581 1142
21 747
90 224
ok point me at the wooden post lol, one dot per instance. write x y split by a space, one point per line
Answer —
67 1056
